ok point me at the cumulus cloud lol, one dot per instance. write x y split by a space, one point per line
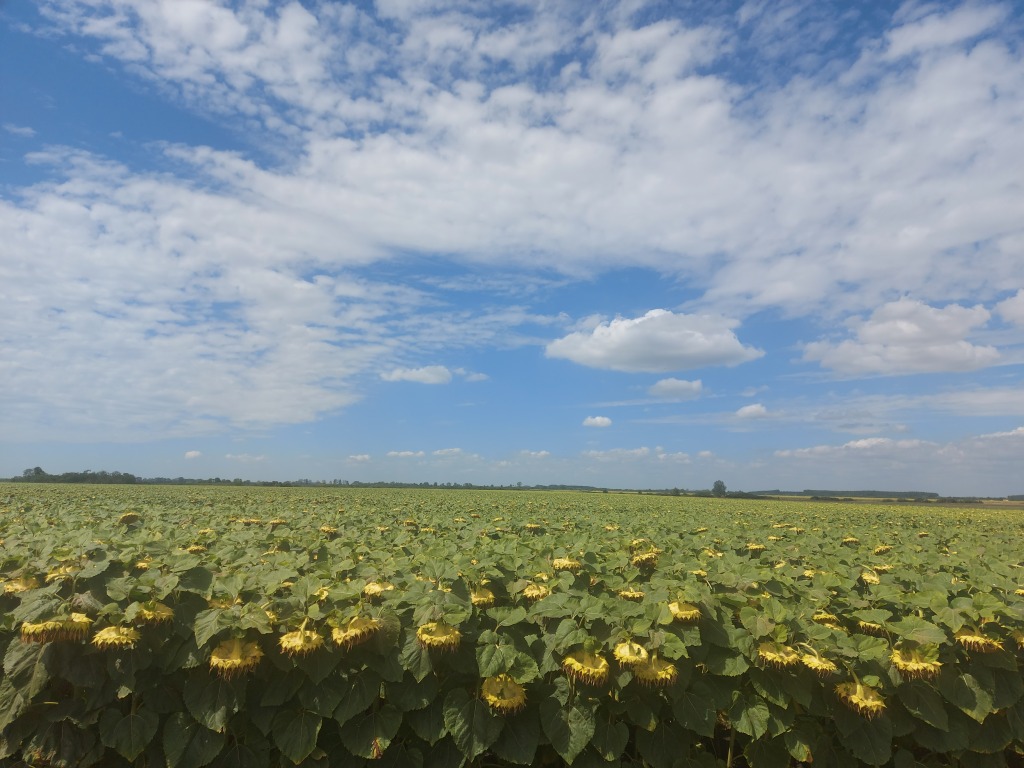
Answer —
405 454
535 454
597 421
359 458
752 411
909 336
658 341
431 374
193 454
618 454
676 389
23 131
448 452
1012 309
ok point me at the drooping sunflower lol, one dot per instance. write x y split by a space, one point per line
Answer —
128 518
566 564
686 613
503 694
850 541
656 673
918 662
818 663
375 589
116 638
862 699
74 627
645 560
883 549
438 636
535 592
356 632
827 619
871 628
1018 637
778 655
870 577
974 639
587 667
635 595
482 597
628 654
154 612
301 641
235 657
755 548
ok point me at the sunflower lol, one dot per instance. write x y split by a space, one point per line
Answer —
883 549
482 597
870 577
61 572
566 564
534 592
656 673
375 589
75 627
116 637
503 694
438 635
646 560
300 642
871 628
1018 636
976 640
755 548
851 541
128 518
356 632
153 612
635 595
861 698
919 662
195 549
700 573
235 657
1019 592
827 619
587 667
686 613
629 654
818 663
778 655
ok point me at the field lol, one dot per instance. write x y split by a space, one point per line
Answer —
187 626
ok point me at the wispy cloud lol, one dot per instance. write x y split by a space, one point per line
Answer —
597 421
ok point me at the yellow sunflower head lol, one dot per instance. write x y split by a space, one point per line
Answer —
819 664
503 694
851 541
75 627
439 636
883 549
535 592
566 564
635 595
645 560
1018 637
587 667
116 638
235 657
862 699
153 612
686 613
300 642
777 655
920 661
755 548
974 639
629 654
356 632
827 619
375 589
482 597
870 577
656 673
871 628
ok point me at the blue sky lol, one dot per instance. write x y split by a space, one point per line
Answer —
634 244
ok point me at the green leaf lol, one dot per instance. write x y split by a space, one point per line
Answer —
662 746
765 753
569 728
428 723
494 659
409 695
415 658
211 700
918 630
370 735
295 732
519 738
324 697
924 703
362 690
507 617
868 740
187 744
750 716
610 739
695 709
967 694
444 754
129 734
470 723
207 624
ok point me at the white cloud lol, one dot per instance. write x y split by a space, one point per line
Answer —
658 341
678 457
752 411
676 389
939 30
431 374
1012 309
597 421
19 130
359 458
193 454
405 454
448 452
908 336
535 454
618 454
245 458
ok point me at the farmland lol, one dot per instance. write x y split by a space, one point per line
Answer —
324 627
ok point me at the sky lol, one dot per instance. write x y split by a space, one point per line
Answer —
625 244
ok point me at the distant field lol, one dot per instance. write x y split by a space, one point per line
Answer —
193 626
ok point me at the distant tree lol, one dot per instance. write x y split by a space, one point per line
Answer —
718 489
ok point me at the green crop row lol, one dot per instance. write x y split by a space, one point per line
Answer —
186 627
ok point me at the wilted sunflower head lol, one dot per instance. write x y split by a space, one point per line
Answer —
534 592
375 589
871 628
74 627
656 673
754 547
482 597
566 564
851 541
827 619
635 595
300 642
974 639
818 663
587 667
629 654
116 637
883 549
777 655
919 661
153 612
645 560
686 613
439 635
1018 637
862 699
235 657
870 577
503 694
128 518
356 632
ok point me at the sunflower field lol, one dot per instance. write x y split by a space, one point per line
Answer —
182 627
